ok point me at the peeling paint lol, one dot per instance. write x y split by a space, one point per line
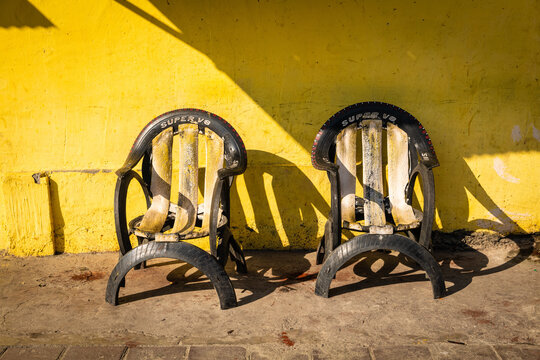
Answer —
500 169
411 55
28 212
516 134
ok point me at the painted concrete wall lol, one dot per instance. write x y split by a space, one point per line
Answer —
80 79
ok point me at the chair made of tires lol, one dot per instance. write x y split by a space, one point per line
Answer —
161 229
409 153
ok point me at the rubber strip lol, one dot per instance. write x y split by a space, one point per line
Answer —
428 192
363 243
120 195
237 255
174 250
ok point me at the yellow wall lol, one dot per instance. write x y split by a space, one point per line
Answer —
79 80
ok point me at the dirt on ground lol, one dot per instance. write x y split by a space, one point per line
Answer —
379 299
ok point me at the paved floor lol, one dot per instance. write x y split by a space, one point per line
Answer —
434 351
381 307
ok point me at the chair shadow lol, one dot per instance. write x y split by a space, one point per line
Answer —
271 271
266 275
262 279
384 276
284 205
468 263
471 263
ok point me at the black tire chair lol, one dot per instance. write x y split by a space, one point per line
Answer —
161 229
410 153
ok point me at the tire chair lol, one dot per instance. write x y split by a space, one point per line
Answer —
160 231
409 153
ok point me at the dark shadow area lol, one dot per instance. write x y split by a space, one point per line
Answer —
307 41
21 13
470 263
173 288
270 271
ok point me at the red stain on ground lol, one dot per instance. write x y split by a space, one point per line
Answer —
474 313
88 276
478 316
285 339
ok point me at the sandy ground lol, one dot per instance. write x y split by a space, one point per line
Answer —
382 299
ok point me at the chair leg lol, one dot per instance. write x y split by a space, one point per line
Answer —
320 251
237 255
229 247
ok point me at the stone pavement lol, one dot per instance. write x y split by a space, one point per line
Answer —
434 351
380 307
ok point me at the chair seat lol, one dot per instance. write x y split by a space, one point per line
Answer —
360 225
167 235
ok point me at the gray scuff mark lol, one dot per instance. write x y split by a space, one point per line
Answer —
38 175
496 225
499 213
470 122
536 133
8 312
83 171
516 134
500 168
498 222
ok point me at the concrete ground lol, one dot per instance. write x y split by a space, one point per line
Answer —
380 307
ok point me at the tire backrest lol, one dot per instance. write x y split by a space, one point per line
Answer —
225 157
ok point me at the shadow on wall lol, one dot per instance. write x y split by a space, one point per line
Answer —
454 213
287 216
21 13
279 51
282 54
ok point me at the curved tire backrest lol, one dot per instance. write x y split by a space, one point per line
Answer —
234 150
358 113
223 145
